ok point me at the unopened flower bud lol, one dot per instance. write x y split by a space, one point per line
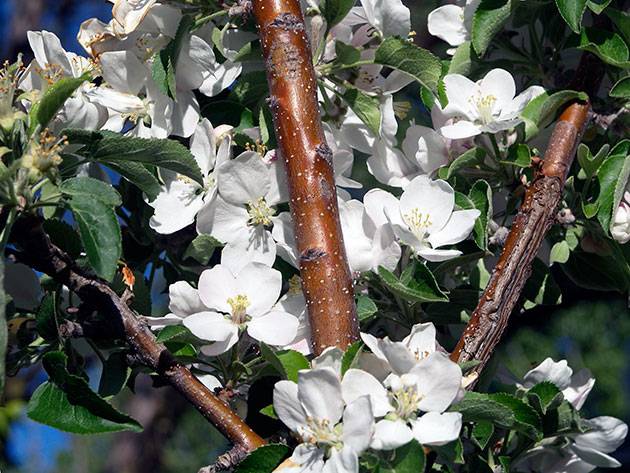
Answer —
499 237
620 229
565 217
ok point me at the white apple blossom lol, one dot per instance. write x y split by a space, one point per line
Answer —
237 302
486 106
386 17
183 301
425 218
52 63
182 198
620 227
453 22
423 149
243 211
410 401
575 387
369 239
333 434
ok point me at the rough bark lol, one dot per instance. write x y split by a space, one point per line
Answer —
534 218
326 277
41 254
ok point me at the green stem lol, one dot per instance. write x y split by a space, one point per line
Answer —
205 19
6 231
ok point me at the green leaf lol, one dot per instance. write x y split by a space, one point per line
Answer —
591 163
608 46
560 252
4 330
613 177
250 88
112 148
286 362
478 407
542 110
173 333
335 10
269 411
90 188
64 236
350 356
488 20
409 458
621 89
139 175
202 248
482 433
526 418
67 403
541 288
165 61
621 19
52 101
114 375
366 308
597 272
481 196
46 318
469 159
543 396
346 55
413 60
572 12
598 6
367 108
264 459
100 233
461 63
519 156
417 284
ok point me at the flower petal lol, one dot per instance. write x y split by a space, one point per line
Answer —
357 383
433 200
319 391
391 434
437 429
243 179
210 326
439 380
358 424
262 285
287 405
216 286
275 328
184 299
456 229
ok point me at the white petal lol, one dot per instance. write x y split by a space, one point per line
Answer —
595 457
185 114
432 255
284 236
275 328
342 461
244 179
221 346
498 83
358 383
421 339
161 322
437 429
559 373
210 326
456 229
447 23
385 249
239 253
358 425
176 206
216 286
319 391
48 50
203 146
390 434
432 199
220 78
426 147
398 355
262 285
459 130
439 379
287 405
581 385
607 434
389 166
459 90
222 220
184 299
123 71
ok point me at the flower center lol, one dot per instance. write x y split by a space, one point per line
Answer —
51 73
44 155
321 432
484 105
259 212
239 305
418 223
404 396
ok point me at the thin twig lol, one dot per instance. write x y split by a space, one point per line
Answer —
326 277
41 254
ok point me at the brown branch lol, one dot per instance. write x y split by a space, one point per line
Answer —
226 461
534 218
326 277
42 255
